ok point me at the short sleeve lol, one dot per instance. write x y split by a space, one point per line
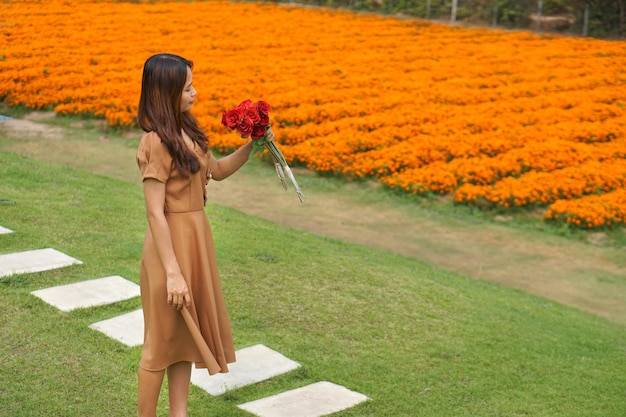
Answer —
153 158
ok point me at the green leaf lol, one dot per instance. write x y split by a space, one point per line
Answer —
259 145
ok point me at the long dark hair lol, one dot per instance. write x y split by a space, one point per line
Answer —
164 77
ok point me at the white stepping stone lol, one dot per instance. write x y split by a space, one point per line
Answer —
254 364
90 293
34 261
319 399
127 328
4 230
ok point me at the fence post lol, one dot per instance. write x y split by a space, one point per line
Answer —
428 9
494 21
453 14
586 20
539 7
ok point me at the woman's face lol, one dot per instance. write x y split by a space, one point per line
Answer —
186 99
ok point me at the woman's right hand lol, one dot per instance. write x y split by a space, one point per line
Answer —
177 291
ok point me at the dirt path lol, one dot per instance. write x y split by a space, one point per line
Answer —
583 275
573 273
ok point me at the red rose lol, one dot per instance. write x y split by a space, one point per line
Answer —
258 132
248 118
253 114
264 107
244 105
231 118
245 126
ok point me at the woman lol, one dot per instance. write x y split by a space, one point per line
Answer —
178 267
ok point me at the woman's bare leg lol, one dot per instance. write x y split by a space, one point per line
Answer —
148 389
178 377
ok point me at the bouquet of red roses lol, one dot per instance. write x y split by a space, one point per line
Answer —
252 120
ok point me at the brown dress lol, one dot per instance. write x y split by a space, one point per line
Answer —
167 339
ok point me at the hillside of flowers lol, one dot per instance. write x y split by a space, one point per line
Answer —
495 119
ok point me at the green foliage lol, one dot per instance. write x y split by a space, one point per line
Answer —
513 14
606 17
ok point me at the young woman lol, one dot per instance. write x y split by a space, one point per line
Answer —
178 267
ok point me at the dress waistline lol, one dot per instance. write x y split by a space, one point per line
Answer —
167 213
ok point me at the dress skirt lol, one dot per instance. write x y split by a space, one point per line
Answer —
167 338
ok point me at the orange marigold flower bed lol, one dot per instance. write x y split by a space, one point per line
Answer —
487 116
592 211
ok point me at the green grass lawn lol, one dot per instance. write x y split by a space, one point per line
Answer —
418 341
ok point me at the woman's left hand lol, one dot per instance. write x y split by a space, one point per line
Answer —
177 291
